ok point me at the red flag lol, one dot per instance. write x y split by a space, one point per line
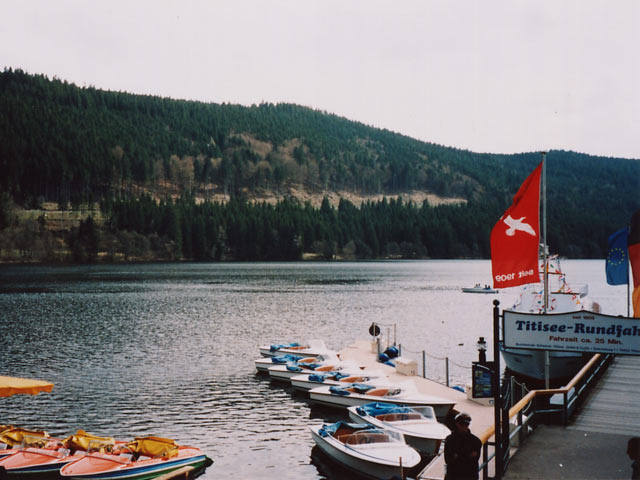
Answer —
634 258
515 238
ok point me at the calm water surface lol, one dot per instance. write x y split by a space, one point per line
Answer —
168 349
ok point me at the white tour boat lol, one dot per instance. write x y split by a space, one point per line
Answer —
562 298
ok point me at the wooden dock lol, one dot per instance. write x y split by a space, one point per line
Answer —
612 406
593 444
184 473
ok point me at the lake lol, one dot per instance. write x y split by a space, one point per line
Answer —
168 349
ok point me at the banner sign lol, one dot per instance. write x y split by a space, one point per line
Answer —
581 331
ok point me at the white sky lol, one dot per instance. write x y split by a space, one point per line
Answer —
489 76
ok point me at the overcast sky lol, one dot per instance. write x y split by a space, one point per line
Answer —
489 76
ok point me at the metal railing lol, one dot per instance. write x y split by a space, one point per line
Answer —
541 409
447 362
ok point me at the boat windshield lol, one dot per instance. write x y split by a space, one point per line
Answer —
16 437
426 412
50 447
372 436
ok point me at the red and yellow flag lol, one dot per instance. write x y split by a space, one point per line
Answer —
516 236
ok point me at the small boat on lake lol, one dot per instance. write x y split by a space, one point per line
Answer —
360 394
366 450
306 381
419 425
324 363
144 458
263 364
42 458
312 348
477 288
11 439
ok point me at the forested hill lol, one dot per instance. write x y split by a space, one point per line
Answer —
69 145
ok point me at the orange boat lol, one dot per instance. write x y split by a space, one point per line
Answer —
12 438
43 457
143 459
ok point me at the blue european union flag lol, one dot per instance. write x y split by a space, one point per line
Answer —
617 266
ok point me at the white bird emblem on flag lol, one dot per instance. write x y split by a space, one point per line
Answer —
518 224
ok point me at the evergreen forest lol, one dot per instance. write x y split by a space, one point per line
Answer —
155 169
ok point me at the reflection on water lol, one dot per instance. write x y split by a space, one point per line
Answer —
168 349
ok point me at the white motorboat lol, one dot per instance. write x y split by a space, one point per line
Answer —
479 289
263 364
359 394
312 348
419 425
340 377
324 363
562 298
366 450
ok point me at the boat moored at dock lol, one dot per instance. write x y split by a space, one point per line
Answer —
360 394
45 457
312 348
11 439
324 363
366 450
562 298
263 364
419 425
307 381
144 458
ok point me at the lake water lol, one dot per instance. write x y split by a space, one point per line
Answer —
168 349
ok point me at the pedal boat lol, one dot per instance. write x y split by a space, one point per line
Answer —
360 394
263 364
11 438
336 377
419 425
366 450
324 363
143 459
42 458
312 348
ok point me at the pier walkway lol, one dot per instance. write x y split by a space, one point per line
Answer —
594 444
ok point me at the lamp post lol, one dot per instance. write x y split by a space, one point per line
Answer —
482 350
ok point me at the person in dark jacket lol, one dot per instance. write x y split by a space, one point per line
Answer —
633 450
462 451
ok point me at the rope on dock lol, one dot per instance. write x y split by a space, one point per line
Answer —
458 365
435 358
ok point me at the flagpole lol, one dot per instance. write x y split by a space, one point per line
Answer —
545 275
544 232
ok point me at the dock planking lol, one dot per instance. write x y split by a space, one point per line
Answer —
612 406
